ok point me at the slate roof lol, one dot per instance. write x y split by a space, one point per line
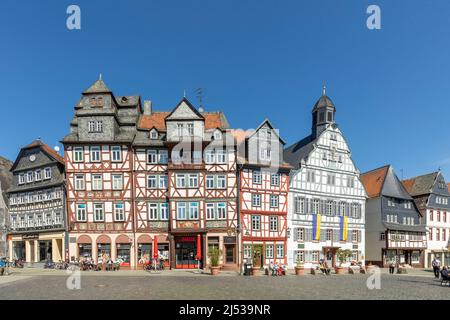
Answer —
404 227
299 151
384 181
324 101
420 185
38 143
98 87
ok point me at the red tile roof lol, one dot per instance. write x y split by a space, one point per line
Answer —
158 120
408 184
373 181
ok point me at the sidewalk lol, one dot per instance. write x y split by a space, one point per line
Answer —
181 273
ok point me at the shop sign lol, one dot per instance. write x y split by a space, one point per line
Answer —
30 236
228 240
187 239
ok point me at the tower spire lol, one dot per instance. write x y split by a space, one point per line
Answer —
324 90
100 76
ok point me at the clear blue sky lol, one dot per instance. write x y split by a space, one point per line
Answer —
254 59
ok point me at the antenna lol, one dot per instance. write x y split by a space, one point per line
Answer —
199 92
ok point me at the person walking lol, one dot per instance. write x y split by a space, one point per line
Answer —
391 267
436 263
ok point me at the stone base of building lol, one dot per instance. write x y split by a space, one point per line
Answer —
37 247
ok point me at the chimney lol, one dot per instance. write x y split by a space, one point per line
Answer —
147 107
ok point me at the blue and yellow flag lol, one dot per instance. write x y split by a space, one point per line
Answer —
316 227
343 224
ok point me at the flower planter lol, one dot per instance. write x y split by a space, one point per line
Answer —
299 271
255 271
339 270
215 271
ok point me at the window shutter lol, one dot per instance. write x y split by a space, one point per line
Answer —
308 234
349 236
307 256
296 234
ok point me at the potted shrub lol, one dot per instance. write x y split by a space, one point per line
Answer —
214 256
342 256
299 268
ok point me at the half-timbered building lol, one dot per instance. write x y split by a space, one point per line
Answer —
263 195
431 195
326 197
186 186
394 228
99 173
37 221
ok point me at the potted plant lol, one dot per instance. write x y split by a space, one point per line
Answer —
214 256
342 256
299 268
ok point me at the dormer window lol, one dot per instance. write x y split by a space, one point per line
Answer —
153 134
190 129
96 102
217 135
95 126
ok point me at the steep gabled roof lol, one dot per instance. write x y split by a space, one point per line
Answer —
98 87
373 181
384 181
267 121
420 185
190 106
46 148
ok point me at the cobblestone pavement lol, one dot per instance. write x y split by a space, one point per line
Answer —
51 284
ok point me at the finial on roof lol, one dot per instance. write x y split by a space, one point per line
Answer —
184 93
100 76
324 90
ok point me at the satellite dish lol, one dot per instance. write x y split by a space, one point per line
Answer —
56 148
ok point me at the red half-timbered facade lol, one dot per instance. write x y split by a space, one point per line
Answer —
99 161
264 187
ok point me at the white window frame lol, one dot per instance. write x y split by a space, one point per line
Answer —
275 179
257 177
256 222
115 178
273 223
152 208
154 179
164 211
193 211
47 173
152 156
193 180
119 211
78 154
99 212
22 178
38 175
256 200
163 156
96 154
116 153
280 251
274 201
181 210
81 212
180 181
269 251
30 176
79 182
97 184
